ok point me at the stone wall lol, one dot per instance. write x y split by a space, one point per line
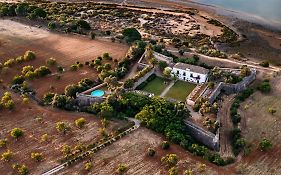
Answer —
233 88
205 137
86 100
144 78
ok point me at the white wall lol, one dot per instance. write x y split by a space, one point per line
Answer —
187 76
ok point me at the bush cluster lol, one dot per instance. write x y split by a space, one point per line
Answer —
238 143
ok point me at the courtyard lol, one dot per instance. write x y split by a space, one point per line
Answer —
156 86
180 90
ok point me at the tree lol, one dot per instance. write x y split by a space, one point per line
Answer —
36 156
88 166
272 110
29 55
62 127
22 169
71 90
265 144
162 65
167 72
83 24
264 64
52 25
45 137
92 35
16 133
65 149
129 83
173 171
80 123
151 152
39 12
22 9
131 35
170 160
264 87
6 156
165 145
121 168
245 71
51 62
211 85
3 142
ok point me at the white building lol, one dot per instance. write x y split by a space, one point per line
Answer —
191 73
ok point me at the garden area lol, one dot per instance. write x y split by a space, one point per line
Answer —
154 84
180 90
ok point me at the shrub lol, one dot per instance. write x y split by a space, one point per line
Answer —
52 25
6 156
26 69
106 56
121 168
162 65
19 59
83 24
151 152
51 61
42 71
80 122
22 169
18 79
272 111
173 171
129 83
16 133
265 144
170 160
29 55
264 87
10 63
74 67
62 127
45 138
93 35
88 166
264 64
65 149
3 142
165 145
36 156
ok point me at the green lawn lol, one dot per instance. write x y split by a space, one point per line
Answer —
180 90
156 86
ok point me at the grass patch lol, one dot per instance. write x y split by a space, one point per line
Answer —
180 90
156 86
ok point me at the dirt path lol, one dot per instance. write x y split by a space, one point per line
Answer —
251 64
167 89
226 126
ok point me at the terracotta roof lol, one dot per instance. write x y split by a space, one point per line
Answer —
192 68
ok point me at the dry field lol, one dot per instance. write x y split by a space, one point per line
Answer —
16 38
24 117
131 150
259 123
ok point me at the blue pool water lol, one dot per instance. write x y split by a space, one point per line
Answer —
97 93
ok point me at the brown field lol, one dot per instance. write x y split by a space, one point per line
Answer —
131 150
259 123
16 38
24 117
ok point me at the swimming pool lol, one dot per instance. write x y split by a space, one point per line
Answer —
97 93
